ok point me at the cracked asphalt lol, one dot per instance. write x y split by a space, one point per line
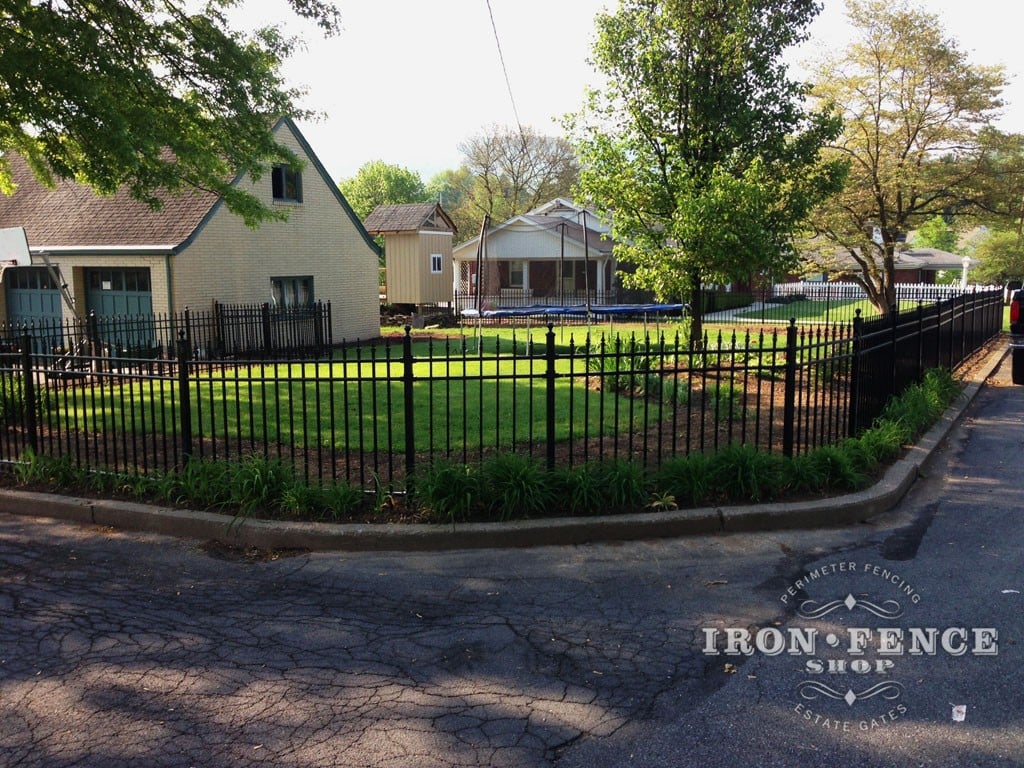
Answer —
128 649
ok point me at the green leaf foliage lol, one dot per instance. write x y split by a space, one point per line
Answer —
378 183
153 98
917 118
699 150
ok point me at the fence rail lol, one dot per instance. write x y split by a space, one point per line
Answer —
372 414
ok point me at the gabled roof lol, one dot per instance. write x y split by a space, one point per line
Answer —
929 258
73 216
408 217
551 226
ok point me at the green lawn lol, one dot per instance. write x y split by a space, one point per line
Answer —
462 402
808 311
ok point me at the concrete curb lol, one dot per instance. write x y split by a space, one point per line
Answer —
271 534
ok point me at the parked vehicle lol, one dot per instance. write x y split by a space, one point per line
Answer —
1017 335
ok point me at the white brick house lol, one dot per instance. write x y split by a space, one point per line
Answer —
117 256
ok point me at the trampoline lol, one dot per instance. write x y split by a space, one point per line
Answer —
577 310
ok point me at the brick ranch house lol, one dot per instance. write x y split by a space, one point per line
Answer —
119 257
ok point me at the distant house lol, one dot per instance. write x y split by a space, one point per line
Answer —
912 265
922 265
546 256
119 257
417 251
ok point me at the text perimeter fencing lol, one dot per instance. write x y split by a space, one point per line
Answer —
373 413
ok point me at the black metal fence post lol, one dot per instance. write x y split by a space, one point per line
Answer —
268 342
407 382
894 335
919 374
854 417
28 392
789 394
184 398
550 395
318 327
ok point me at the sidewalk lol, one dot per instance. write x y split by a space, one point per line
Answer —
266 534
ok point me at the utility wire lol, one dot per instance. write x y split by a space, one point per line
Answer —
504 69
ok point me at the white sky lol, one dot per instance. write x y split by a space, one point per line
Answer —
406 81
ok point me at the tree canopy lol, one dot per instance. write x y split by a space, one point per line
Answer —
1001 254
917 134
699 149
146 96
514 170
937 233
379 183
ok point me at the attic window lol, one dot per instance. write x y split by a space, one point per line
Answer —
286 183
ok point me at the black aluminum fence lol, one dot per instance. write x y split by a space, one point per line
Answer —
226 331
373 413
894 351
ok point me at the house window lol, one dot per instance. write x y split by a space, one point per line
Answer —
291 292
517 274
286 183
435 263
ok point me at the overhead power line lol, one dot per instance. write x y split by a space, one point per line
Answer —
504 69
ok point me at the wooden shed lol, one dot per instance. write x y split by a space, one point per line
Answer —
417 252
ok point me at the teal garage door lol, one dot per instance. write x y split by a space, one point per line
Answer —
119 293
122 301
33 298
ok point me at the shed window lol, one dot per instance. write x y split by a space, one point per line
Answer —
287 183
435 263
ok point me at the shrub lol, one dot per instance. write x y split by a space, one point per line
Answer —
448 491
34 468
836 467
259 483
333 502
621 482
685 478
341 500
744 473
517 485
862 455
578 488
804 475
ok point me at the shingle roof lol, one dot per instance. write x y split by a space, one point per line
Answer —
408 217
73 215
573 230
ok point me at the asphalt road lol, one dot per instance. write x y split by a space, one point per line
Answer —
130 649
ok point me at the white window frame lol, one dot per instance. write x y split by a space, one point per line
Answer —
436 263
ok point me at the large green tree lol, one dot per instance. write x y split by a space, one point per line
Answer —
144 95
1001 254
917 135
379 183
452 189
699 149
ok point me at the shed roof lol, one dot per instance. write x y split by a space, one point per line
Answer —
408 217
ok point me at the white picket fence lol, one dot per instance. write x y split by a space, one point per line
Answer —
826 291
